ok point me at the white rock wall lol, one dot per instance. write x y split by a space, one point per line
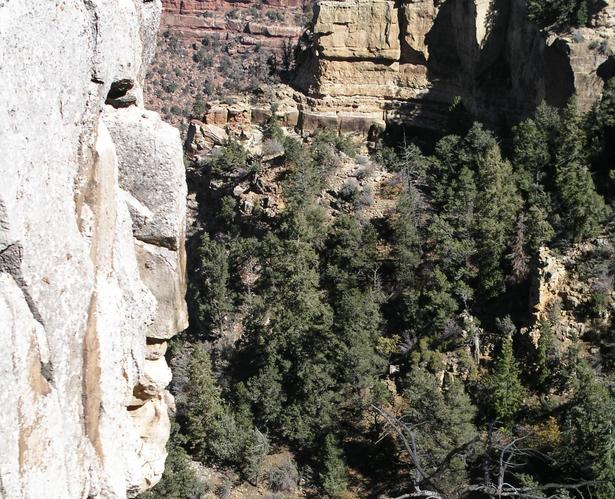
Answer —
84 412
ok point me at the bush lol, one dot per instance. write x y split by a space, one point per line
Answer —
283 478
272 148
169 87
232 157
232 14
349 192
274 15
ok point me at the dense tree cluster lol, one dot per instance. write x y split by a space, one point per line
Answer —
393 347
563 14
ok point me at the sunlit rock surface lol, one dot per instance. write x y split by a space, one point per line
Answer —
83 413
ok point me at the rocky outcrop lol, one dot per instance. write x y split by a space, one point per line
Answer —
92 208
574 292
410 61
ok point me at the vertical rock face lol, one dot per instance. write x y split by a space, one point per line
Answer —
411 60
92 275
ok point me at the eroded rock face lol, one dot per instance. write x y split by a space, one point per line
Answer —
564 288
409 61
84 411
192 20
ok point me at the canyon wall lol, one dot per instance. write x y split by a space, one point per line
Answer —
411 61
92 272
244 21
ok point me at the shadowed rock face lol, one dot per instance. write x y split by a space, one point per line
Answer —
410 60
92 207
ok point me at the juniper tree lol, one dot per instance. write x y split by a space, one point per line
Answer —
443 428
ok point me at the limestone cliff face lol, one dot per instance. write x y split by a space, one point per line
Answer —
410 60
92 274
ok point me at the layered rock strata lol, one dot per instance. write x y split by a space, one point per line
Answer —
92 272
411 61
192 20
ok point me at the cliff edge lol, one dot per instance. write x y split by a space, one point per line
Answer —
92 264
413 61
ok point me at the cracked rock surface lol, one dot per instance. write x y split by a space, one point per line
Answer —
92 208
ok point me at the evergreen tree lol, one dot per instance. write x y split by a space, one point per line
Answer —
588 431
349 275
583 209
601 131
547 358
497 205
507 392
215 434
334 476
534 143
295 351
562 14
210 286
407 251
443 422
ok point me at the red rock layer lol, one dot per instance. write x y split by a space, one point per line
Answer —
271 23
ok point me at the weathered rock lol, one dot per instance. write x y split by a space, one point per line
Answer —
74 308
163 271
151 420
155 349
155 378
562 288
202 137
151 170
191 20
411 60
357 29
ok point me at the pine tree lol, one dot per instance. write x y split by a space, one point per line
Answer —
407 252
584 210
334 476
531 154
210 287
497 205
203 403
507 392
292 342
213 433
546 357
444 423
589 431
601 131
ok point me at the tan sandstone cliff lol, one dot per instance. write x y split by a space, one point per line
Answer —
92 272
410 61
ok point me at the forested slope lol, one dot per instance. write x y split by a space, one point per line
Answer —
423 348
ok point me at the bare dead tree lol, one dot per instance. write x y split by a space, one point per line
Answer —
510 457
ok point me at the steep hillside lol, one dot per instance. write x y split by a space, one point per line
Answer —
212 49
